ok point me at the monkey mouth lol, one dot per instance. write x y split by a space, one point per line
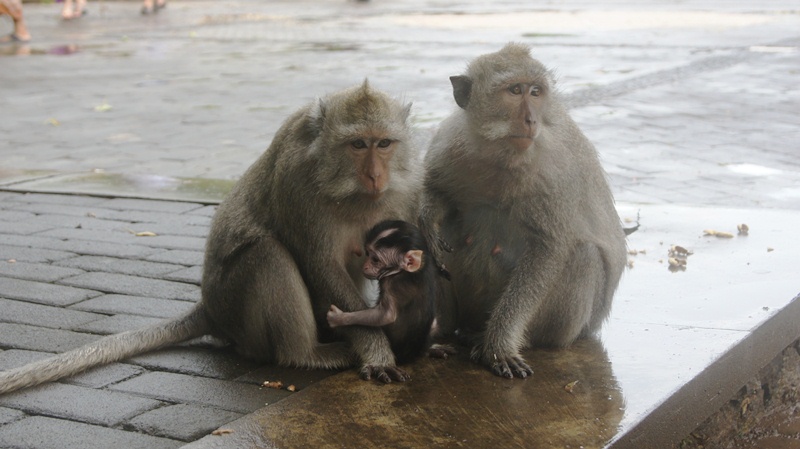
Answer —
521 142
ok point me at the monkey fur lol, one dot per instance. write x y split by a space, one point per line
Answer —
286 244
398 257
516 191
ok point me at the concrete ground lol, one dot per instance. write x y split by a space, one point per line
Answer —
687 104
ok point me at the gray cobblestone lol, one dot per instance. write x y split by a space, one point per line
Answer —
192 275
41 432
186 422
72 402
56 199
22 227
40 315
121 266
36 272
14 216
219 364
227 395
22 336
59 295
94 378
135 305
135 286
118 323
87 247
180 257
8 415
23 254
149 205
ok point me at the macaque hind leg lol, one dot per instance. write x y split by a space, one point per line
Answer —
278 307
566 314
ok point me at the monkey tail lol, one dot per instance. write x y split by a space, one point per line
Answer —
108 349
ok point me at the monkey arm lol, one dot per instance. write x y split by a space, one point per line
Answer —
527 289
430 218
380 315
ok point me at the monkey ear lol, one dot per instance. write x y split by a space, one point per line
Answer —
412 261
462 88
407 112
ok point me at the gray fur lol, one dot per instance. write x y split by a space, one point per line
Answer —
548 209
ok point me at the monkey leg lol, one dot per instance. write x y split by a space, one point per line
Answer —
574 307
275 319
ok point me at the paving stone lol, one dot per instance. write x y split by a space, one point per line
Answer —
49 198
192 275
21 227
100 235
174 242
88 222
136 286
23 254
224 394
117 323
22 336
149 205
121 266
59 295
36 272
46 316
13 358
63 209
186 422
41 432
72 402
8 415
158 217
217 363
180 257
14 215
207 211
78 246
135 305
171 229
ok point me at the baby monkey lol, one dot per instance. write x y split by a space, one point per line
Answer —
398 257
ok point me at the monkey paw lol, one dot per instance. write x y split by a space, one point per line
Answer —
385 374
508 366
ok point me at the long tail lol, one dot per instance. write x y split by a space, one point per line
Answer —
108 349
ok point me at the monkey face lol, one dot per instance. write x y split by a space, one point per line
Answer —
371 156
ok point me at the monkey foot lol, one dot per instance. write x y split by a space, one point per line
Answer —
503 366
385 374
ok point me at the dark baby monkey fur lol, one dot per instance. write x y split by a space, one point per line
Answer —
517 191
398 257
285 244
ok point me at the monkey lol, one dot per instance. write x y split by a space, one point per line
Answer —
516 192
285 244
397 256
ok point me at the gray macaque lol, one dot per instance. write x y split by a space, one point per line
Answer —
286 244
515 190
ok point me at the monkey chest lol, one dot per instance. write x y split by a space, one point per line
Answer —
487 244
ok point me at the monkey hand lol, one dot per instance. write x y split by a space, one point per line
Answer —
385 374
335 316
501 364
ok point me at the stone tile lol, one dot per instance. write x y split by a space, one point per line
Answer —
224 394
21 227
121 266
191 275
41 432
135 305
49 198
60 295
135 286
72 402
94 378
158 217
36 272
14 215
8 415
174 242
22 336
23 254
14 358
217 363
186 422
45 316
149 205
172 229
117 323
78 246
180 257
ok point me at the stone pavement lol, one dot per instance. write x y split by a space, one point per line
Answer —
687 104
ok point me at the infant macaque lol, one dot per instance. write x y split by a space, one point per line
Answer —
398 257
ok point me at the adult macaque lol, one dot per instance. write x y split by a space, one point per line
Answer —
517 192
286 244
398 257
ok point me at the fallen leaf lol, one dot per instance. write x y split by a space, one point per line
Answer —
222 432
145 234
105 107
720 234
570 386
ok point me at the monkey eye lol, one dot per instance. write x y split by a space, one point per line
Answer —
384 143
516 89
536 91
359 144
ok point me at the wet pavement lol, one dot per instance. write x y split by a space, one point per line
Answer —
693 108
